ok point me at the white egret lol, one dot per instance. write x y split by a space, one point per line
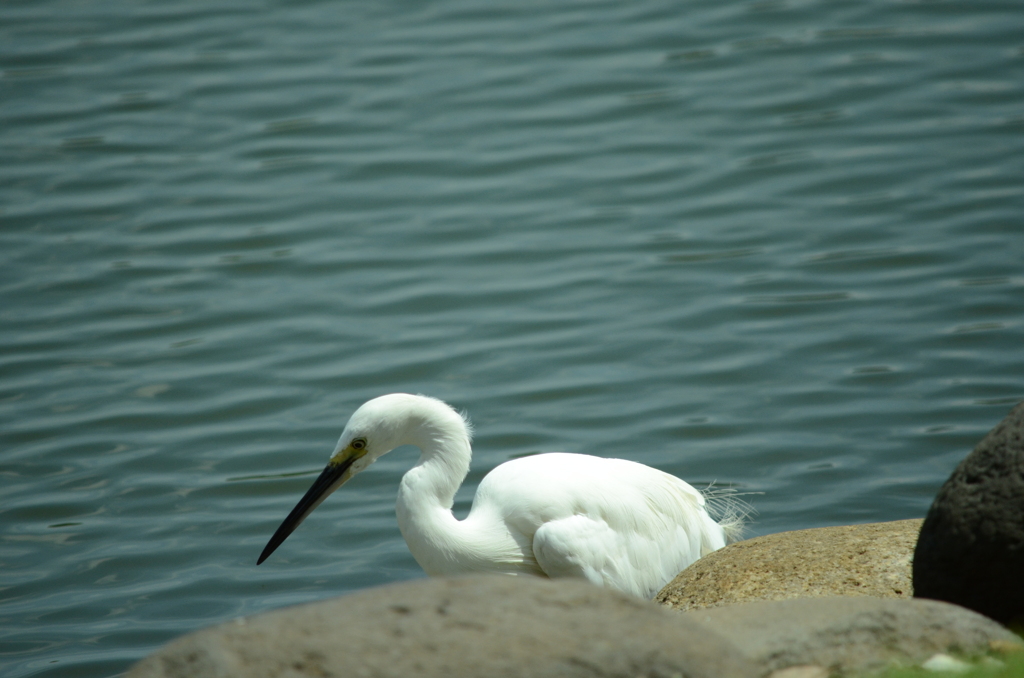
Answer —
613 522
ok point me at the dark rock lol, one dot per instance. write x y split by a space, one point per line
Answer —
848 560
492 626
852 634
971 548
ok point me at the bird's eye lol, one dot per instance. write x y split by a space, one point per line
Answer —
359 443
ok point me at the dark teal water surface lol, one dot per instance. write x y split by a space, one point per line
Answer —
774 244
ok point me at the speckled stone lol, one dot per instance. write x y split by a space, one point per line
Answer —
971 549
491 627
851 635
850 560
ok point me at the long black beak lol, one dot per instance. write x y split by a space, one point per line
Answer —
331 479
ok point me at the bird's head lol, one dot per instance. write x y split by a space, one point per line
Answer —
377 427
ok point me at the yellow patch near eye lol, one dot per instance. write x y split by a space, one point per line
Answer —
348 454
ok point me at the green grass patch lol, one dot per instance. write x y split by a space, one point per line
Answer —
993 665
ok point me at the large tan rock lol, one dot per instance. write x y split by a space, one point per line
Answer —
473 626
851 560
852 634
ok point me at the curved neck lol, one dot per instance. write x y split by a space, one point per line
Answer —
441 544
437 476
424 507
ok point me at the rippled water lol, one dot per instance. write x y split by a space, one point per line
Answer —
775 244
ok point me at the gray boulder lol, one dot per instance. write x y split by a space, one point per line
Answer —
473 626
851 634
971 548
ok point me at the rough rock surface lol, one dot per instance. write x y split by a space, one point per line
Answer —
851 634
851 560
473 626
971 549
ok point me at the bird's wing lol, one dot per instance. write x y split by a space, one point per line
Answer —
614 522
581 546
632 528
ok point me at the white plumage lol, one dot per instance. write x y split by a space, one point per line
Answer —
613 522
